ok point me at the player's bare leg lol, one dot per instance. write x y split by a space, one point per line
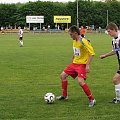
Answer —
116 81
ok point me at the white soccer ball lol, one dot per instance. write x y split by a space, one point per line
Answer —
49 98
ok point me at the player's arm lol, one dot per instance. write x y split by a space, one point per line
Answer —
107 54
89 47
88 63
91 54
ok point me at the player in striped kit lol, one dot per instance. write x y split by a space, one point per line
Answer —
112 30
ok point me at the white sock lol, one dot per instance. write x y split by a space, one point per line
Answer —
117 91
21 43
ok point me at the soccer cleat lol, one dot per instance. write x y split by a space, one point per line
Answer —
115 101
62 98
92 103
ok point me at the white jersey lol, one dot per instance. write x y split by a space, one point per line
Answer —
116 47
116 43
20 33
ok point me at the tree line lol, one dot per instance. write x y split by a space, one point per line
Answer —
89 12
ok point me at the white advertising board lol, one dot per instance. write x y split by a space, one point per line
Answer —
34 19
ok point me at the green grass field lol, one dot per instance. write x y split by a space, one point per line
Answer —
28 73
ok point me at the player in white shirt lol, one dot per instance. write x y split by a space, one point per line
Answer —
112 30
20 33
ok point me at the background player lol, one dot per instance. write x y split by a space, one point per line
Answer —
20 33
82 31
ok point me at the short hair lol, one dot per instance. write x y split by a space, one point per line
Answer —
74 28
112 26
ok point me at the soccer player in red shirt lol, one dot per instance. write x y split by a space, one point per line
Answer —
82 31
83 54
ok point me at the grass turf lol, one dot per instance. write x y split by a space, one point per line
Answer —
28 73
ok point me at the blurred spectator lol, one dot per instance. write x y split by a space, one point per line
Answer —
82 31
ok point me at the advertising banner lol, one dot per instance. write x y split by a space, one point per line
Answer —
34 19
62 19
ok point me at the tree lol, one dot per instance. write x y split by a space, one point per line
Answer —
90 12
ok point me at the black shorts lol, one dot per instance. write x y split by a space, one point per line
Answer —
20 38
118 71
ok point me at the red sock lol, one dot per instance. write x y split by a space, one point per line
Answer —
64 87
87 92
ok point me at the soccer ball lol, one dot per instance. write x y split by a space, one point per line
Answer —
49 98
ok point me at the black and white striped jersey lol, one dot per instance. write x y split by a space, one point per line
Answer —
116 47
